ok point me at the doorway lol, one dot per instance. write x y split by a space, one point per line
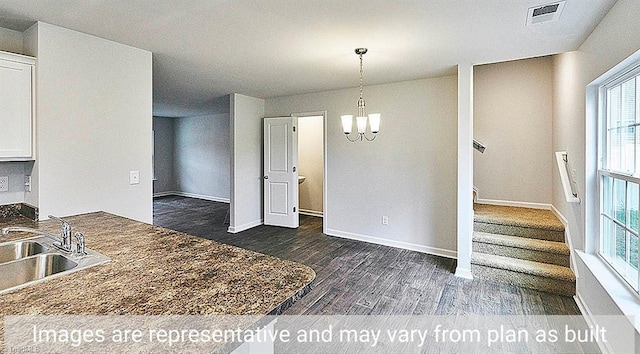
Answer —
289 172
312 165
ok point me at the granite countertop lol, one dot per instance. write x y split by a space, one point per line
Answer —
156 271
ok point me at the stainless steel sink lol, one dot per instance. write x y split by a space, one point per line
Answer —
33 260
15 250
34 268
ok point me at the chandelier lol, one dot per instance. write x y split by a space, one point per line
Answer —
361 118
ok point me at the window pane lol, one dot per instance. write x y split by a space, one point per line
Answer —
628 110
632 205
634 252
619 200
607 185
614 155
607 238
621 243
614 106
628 119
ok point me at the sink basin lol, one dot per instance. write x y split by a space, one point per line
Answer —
33 268
11 251
33 260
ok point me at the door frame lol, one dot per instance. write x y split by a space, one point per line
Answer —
325 194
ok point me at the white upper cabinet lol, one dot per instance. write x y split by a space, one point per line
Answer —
17 107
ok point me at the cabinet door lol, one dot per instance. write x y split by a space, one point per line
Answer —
15 110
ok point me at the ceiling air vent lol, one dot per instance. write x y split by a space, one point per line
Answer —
545 13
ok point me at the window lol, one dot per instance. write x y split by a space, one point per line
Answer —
619 173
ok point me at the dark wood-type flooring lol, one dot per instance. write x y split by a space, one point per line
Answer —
362 278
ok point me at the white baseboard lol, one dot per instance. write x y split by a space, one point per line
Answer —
311 212
243 227
464 273
163 194
192 195
515 204
590 319
398 244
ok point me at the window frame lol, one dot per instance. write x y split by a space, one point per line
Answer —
603 144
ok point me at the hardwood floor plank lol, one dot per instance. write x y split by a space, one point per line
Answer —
357 277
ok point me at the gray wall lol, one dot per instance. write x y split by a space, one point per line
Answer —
512 107
614 39
202 156
247 114
192 156
408 173
11 41
163 132
94 123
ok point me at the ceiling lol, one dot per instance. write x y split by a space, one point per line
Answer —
205 49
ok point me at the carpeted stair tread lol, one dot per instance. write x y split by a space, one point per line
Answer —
545 270
517 216
522 242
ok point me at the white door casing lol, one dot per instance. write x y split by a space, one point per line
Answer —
280 176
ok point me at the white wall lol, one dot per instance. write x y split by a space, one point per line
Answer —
94 124
163 130
614 39
202 156
311 163
11 41
513 118
408 173
246 162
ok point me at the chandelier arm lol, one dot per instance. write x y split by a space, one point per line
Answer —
355 139
372 139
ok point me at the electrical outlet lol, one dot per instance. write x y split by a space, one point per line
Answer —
385 220
134 177
27 183
4 184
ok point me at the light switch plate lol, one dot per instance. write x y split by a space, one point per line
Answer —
4 184
134 177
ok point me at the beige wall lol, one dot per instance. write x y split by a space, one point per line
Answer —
513 118
310 163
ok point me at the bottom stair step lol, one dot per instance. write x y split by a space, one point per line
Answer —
534 275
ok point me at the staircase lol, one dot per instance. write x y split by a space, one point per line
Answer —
523 247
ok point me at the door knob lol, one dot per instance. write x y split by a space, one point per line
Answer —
266 177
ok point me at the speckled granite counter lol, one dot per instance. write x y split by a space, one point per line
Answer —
156 271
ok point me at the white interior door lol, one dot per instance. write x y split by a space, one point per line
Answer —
280 172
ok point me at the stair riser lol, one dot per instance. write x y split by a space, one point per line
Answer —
520 253
540 234
550 285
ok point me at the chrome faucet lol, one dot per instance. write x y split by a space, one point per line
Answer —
62 242
80 252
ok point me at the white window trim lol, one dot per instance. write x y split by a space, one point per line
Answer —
625 298
613 78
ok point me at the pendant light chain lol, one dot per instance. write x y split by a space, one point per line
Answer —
361 74
361 103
